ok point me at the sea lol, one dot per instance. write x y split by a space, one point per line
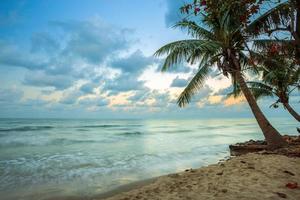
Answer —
82 158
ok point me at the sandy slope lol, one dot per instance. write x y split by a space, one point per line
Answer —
251 176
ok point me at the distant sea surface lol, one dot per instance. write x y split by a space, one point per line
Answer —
49 158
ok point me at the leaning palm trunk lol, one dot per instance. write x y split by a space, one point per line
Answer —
272 136
292 111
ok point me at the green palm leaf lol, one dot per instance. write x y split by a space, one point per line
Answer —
260 90
194 30
194 85
264 44
186 50
279 15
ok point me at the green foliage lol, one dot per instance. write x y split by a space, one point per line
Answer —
225 30
277 17
194 85
280 76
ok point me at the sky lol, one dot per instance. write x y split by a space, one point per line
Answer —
94 59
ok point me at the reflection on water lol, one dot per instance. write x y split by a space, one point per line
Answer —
82 158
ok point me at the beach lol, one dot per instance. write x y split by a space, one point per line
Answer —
252 176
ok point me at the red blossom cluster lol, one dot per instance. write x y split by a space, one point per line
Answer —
196 6
274 49
252 8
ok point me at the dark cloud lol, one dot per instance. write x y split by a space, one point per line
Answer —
178 82
225 91
131 68
93 40
12 56
60 62
135 63
88 88
40 79
125 82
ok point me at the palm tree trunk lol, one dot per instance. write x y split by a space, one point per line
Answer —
292 111
272 136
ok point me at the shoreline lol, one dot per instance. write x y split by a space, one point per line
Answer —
250 176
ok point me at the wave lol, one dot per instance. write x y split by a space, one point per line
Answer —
176 131
99 126
26 128
213 127
64 141
109 126
131 133
59 141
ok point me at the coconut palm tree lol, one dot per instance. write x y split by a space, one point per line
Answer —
218 41
280 77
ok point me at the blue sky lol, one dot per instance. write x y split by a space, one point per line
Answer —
93 58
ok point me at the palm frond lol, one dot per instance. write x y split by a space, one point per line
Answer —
260 90
186 50
246 64
194 29
194 85
263 44
275 17
295 76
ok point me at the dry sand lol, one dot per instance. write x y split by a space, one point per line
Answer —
251 176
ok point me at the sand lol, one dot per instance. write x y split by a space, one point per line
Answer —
251 176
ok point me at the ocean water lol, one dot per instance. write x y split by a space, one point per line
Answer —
48 158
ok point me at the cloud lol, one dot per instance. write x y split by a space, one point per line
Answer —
43 42
98 102
178 82
234 101
131 68
12 56
60 62
93 40
120 99
123 83
10 95
218 83
216 99
88 88
40 79
135 63
70 97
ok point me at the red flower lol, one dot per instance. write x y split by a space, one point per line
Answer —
243 18
292 185
275 48
203 3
